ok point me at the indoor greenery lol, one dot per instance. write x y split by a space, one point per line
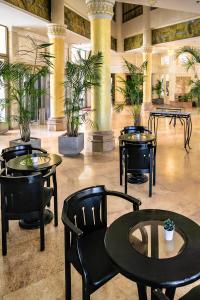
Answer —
169 225
20 80
192 61
158 88
80 76
132 90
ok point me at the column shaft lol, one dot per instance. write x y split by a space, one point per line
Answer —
101 102
56 37
147 56
147 85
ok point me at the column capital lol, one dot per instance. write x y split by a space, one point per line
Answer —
101 9
56 30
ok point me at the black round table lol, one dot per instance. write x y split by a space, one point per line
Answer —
27 164
140 259
137 138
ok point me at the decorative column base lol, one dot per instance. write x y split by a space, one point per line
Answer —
56 124
147 106
103 141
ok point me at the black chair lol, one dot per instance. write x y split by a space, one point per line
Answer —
135 129
137 158
12 152
84 217
23 197
193 294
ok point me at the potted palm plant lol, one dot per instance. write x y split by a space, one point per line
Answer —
20 80
80 76
157 88
132 90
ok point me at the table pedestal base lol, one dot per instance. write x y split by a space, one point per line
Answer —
33 224
137 178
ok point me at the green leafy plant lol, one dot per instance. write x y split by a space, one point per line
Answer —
194 92
192 61
132 90
80 76
158 88
193 58
169 225
20 80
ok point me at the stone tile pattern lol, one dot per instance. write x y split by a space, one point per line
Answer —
27 273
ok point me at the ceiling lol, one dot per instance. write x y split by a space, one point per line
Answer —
17 18
10 16
179 5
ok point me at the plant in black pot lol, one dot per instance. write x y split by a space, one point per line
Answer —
20 79
80 76
132 90
158 89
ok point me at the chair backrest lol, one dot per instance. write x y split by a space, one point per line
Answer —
12 152
134 129
87 208
137 156
21 194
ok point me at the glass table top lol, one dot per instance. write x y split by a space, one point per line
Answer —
148 238
34 160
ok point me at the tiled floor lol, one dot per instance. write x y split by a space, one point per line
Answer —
27 273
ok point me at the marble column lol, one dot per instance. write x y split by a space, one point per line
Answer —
120 41
172 74
100 13
147 56
56 35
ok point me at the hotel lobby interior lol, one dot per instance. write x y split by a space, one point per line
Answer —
164 38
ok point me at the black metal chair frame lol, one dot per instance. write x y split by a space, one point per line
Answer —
193 294
36 181
79 225
124 155
12 152
135 129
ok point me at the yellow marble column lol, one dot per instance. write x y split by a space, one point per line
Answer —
56 35
147 56
100 13
147 85
172 74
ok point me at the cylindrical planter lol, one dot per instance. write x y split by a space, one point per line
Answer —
168 235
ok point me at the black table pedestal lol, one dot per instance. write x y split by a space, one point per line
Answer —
35 223
137 178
